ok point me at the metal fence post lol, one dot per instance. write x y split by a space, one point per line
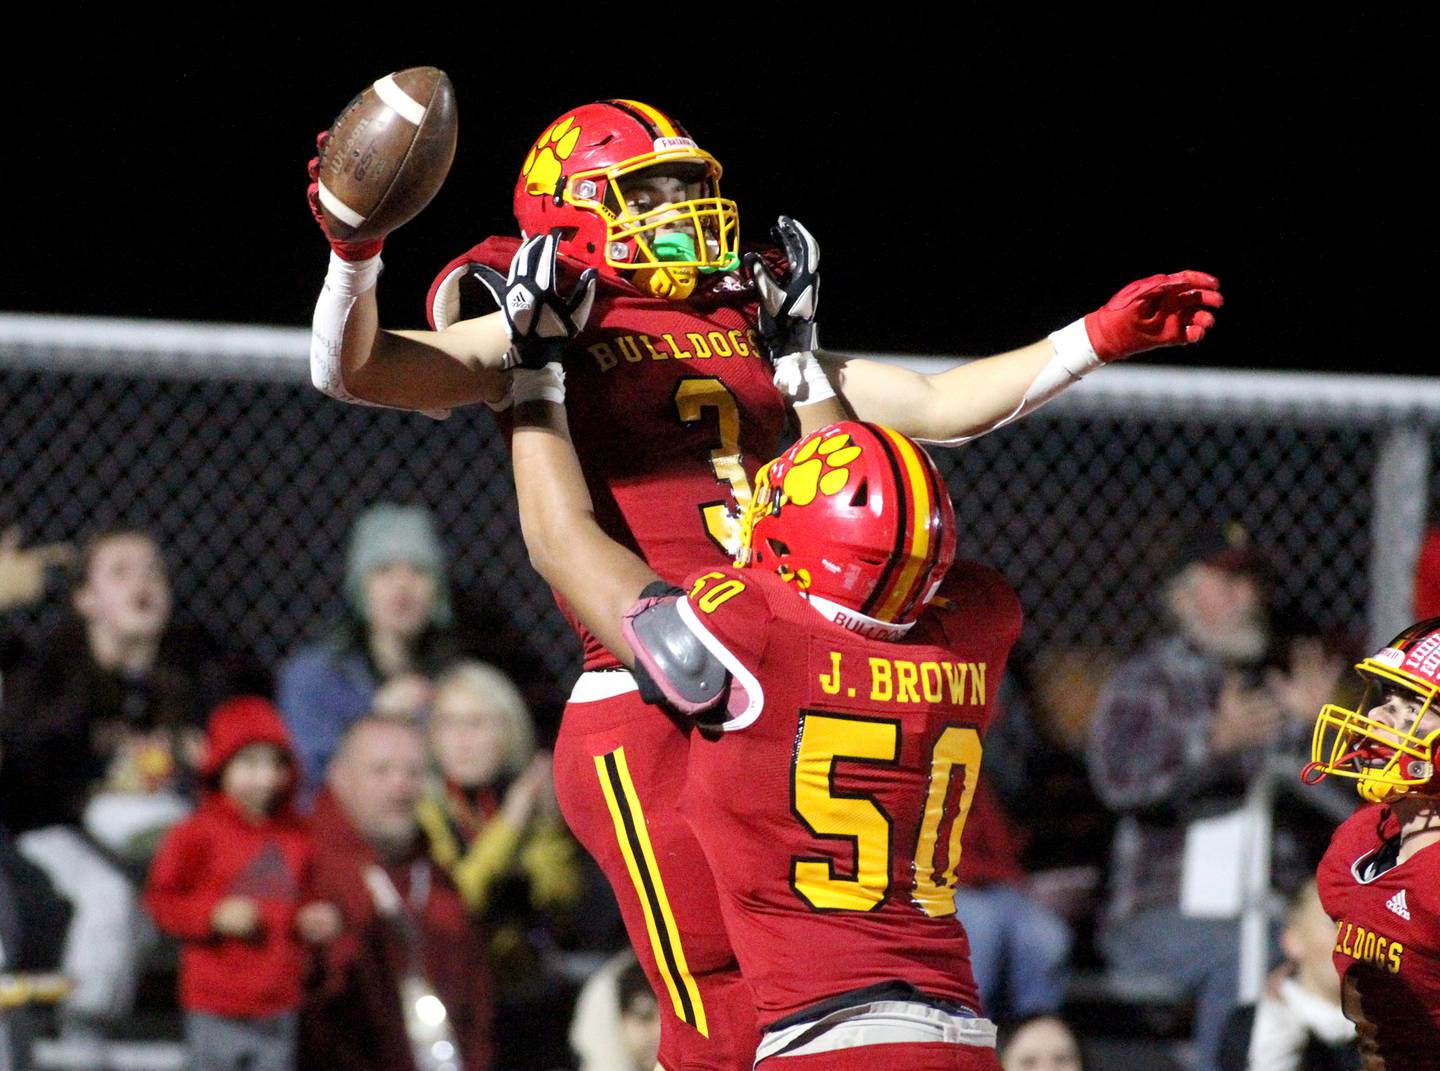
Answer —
1397 527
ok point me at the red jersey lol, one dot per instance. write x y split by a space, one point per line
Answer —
1387 940
215 853
672 408
219 852
831 808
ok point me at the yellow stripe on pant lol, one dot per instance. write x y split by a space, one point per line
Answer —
634 840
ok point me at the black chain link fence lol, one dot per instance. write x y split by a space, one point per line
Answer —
251 485
1084 515
251 488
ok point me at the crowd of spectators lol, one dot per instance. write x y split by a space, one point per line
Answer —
102 732
1112 829
370 842
361 863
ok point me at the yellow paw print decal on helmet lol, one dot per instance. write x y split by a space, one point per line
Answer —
542 165
820 467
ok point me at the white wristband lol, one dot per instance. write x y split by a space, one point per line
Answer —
1072 346
506 400
1074 359
801 378
344 283
351 278
538 385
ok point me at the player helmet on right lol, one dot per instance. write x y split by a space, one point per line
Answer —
857 516
1386 743
593 176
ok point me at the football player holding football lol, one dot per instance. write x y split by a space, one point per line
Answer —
1380 877
685 359
839 678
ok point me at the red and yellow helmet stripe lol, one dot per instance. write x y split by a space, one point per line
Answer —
918 532
661 125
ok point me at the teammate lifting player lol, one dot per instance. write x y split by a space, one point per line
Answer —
1380 877
674 401
839 681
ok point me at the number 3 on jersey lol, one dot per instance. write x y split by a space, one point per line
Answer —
855 816
692 397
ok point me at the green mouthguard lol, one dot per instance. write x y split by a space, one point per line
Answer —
673 247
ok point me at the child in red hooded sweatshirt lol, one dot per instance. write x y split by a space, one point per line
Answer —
227 883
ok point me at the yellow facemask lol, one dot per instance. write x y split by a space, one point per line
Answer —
1383 761
669 247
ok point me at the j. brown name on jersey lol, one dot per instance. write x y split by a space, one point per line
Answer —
895 680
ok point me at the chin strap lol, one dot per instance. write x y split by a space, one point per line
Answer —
671 284
1312 773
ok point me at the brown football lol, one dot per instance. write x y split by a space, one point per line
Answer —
388 153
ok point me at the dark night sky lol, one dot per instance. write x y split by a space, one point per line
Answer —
972 186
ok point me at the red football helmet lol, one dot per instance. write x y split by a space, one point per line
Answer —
1386 742
575 178
857 516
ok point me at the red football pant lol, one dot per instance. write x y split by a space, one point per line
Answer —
919 1056
619 769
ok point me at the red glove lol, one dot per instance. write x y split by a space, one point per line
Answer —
343 250
1163 310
